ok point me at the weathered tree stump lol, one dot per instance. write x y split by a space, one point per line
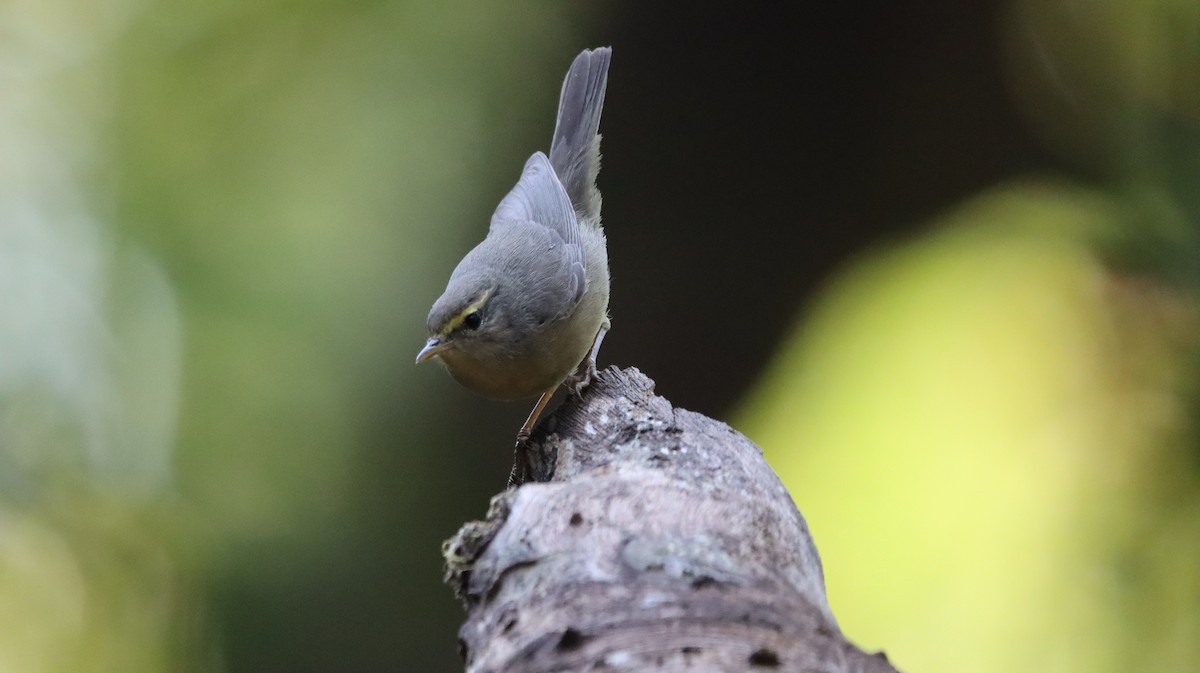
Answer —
649 539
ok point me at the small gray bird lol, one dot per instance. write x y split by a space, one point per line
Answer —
525 311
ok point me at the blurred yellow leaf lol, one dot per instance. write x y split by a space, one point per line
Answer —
960 424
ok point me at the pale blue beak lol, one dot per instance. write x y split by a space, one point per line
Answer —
432 348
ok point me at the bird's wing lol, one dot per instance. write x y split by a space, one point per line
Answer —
539 197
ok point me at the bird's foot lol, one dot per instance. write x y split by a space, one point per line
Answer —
586 373
582 378
520 468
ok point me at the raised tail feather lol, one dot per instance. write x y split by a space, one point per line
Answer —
575 150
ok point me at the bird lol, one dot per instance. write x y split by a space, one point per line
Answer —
526 309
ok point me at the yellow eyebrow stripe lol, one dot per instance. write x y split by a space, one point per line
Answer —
455 322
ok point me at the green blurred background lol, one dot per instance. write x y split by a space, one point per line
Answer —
941 261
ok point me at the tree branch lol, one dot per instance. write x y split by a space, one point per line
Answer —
654 539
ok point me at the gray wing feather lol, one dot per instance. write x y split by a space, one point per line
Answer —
575 149
539 197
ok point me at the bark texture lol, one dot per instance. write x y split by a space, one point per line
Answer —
650 538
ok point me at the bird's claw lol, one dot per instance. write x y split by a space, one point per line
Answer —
581 379
520 468
586 373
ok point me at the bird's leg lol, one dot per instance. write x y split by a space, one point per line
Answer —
582 378
520 468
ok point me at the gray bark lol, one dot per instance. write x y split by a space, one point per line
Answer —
649 538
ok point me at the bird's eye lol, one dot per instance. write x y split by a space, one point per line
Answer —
472 320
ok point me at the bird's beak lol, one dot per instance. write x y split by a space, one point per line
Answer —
432 348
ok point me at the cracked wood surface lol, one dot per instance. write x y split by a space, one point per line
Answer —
649 538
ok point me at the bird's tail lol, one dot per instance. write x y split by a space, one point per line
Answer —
575 150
